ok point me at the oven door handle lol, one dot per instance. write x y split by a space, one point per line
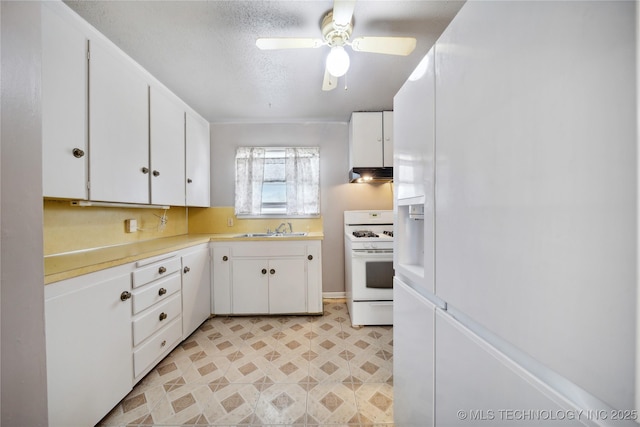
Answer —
373 254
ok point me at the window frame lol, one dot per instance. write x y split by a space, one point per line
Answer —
264 215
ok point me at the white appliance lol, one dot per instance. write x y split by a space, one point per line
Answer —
368 250
515 298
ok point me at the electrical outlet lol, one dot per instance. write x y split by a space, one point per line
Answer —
230 222
130 225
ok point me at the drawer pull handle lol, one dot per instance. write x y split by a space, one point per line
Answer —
162 291
264 271
163 343
186 270
163 316
225 258
125 295
272 271
310 257
162 270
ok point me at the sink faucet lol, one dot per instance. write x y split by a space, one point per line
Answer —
282 228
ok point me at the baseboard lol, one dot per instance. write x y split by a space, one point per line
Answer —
334 295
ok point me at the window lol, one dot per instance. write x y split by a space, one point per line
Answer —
278 181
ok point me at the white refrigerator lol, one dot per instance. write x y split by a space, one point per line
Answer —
516 293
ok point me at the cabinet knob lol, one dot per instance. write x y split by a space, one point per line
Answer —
145 170
189 180
264 271
156 173
225 258
162 270
162 316
309 257
162 291
163 343
77 153
125 295
272 271
186 270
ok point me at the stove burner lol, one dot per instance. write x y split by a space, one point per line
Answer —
364 233
388 233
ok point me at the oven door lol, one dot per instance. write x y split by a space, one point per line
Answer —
372 274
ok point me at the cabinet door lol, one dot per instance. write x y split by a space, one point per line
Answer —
196 289
197 161
287 286
387 133
365 149
118 128
314 277
64 108
167 128
250 289
88 351
221 283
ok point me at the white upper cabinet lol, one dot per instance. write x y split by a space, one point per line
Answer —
167 127
118 128
197 161
370 143
64 107
111 131
387 135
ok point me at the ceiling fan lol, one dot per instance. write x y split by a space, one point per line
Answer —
336 27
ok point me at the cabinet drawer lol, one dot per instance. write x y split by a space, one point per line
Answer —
263 249
156 292
148 274
158 344
157 317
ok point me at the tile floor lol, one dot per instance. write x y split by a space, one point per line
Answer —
269 371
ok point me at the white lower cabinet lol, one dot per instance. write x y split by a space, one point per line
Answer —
107 329
196 288
258 277
88 333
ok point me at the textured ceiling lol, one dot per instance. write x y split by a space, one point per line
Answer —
205 52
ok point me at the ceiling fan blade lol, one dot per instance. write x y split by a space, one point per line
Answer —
288 43
388 45
330 82
343 12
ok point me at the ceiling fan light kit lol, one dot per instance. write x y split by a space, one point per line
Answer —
338 61
336 28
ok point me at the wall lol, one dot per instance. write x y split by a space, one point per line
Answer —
24 378
337 195
68 228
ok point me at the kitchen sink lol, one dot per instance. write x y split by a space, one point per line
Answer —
294 234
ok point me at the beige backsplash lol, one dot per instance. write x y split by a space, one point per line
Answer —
215 220
68 228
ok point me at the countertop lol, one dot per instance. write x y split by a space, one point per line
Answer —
65 266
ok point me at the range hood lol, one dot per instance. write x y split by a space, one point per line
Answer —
371 175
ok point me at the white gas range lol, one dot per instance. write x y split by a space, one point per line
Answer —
368 249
